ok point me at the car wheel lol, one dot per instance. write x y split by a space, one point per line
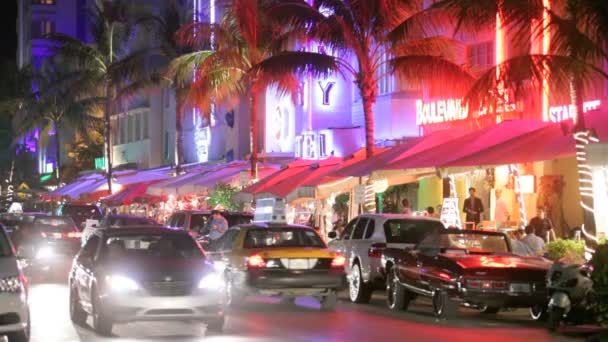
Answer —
443 306
101 322
358 291
23 335
538 313
489 310
329 302
216 324
397 297
555 317
77 313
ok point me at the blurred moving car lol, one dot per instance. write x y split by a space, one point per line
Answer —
195 221
14 310
12 221
363 240
47 242
117 221
465 267
144 274
279 259
80 213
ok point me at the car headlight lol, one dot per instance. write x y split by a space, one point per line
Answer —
219 266
45 253
11 285
119 283
211 281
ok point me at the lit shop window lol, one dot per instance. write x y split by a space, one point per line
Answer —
42 28
43 2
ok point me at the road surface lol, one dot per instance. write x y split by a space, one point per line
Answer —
266 319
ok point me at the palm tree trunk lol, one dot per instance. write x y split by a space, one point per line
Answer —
57 152
368 112
179 150
253 132
107 134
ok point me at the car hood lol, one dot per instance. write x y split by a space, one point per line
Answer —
500 261
157 269
8 267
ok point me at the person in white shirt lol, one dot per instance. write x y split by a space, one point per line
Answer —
501 214
534 243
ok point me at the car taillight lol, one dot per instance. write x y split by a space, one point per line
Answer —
375 250
473 284
486 284
256 261
500 285
338 261
72 235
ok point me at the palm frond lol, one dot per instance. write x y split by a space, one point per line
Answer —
76 50
434 72
447 48
182 68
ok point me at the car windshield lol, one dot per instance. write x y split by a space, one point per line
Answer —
409 230
5 246
198 221
472 242
282 237
58 224
152 245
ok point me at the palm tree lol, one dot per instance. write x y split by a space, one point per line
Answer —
56 104
368 31
578 47
241 56
109 64
166 27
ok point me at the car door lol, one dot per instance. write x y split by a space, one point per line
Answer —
353 246
360 244
426 261
342 244
84 266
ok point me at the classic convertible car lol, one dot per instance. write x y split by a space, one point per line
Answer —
465 267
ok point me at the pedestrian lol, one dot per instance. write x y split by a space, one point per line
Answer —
473 207
518 247
542 225
431 212
501 215
217 225
407 209
534 243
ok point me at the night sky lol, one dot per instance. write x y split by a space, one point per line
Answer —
8 30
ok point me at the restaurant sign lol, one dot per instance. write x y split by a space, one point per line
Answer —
561 113
440 111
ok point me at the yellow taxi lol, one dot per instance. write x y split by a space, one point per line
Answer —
278 259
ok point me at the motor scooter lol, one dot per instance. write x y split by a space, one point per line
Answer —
572 299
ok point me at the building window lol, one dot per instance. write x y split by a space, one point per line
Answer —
166 146
42 28
123 130
130 125
138 120
44 2
481 55
299 147
146 119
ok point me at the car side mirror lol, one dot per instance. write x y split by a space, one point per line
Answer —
332 235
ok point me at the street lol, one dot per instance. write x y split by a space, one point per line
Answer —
266 319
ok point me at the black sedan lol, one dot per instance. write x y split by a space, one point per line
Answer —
462 267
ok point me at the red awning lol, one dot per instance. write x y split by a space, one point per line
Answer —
469 144
132 194
286 182
545 144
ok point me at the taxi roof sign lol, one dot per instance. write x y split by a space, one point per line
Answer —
270 210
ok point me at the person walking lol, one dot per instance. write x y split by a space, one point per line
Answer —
501 214
473 208
217 225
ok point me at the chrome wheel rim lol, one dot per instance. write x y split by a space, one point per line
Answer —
438 303
535 312
354 284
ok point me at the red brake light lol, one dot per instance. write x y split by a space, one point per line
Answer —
73 235
474 284
256 261
500 285
338 261
486 284
375 250
445 276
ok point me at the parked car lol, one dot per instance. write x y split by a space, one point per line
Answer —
80 213
47 242
14 310
363 240
12 221
144 274
117 221
278 259
465 267
195 221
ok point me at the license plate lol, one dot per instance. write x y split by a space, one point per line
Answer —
518 287
298 264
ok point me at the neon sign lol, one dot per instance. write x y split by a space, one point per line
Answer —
561 113
326 90
440 111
